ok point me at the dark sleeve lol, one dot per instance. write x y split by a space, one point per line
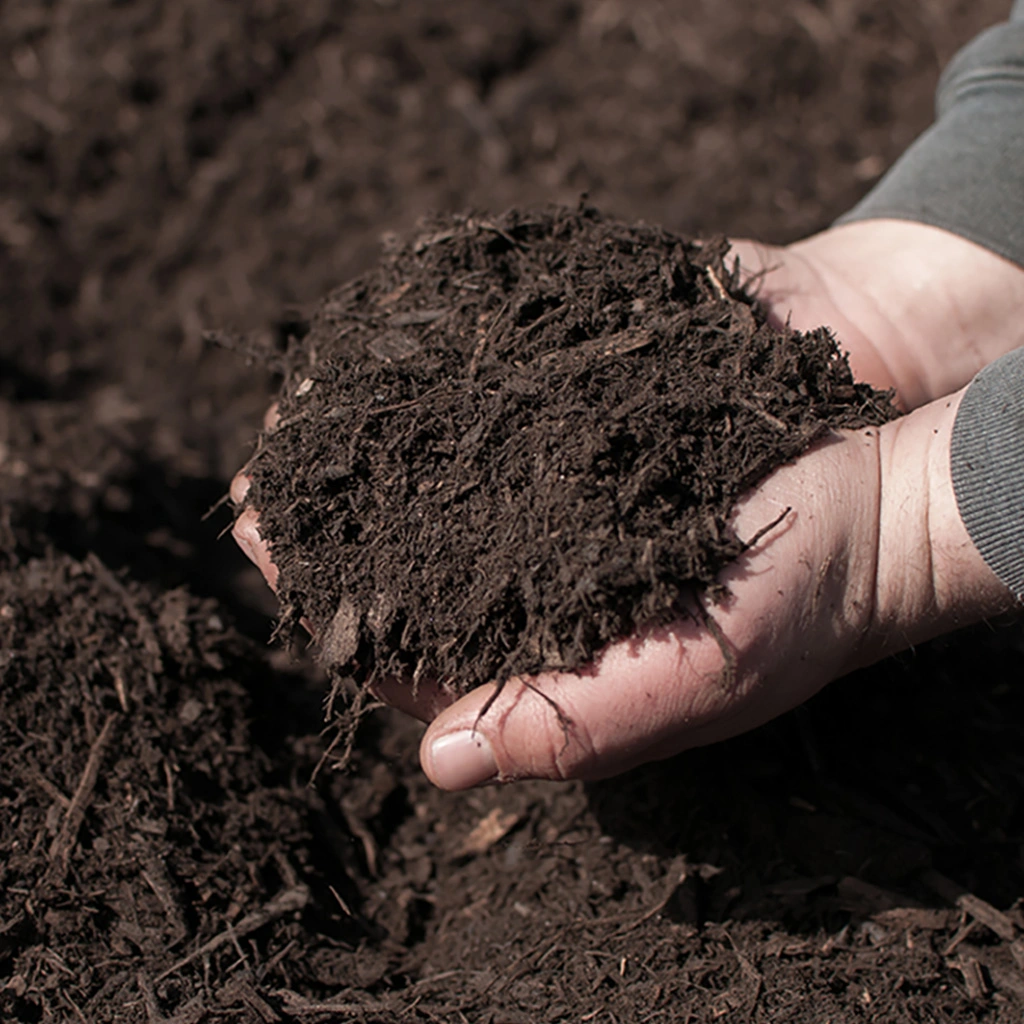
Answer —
987 463
966 173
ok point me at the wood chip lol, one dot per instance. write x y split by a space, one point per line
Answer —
974 979
417 316
487 832
862 897
618 344
921 918
393 346
65 840
333 1009
993 919
393 296
982 911
286 902
341 641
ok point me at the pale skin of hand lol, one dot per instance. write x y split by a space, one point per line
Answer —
872 558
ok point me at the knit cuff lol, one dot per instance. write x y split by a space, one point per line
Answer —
987 463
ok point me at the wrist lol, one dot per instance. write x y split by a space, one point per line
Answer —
930 576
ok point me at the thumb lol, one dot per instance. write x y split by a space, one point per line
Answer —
616 714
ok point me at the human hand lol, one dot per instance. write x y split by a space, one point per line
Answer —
916 308
872 559
841 583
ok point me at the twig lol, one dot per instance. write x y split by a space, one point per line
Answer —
358 828
299 1006
485 338
120 689
411 403
74 1006
150 642
679 877
727 676
64 842
773 421
284 903
716 284
564 720
47 787
748 544
218 504
542 320
153 1014
490 226
963 932
266 968
341 903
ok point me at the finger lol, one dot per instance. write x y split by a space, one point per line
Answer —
776 278
424 701
247 535
241 482
562 726
240 488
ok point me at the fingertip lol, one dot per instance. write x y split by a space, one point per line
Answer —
247 535
245 532
458 760
239 489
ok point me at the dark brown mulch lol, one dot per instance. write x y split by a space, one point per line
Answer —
142 826
520 438
169 167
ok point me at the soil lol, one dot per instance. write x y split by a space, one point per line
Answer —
519 438
166 168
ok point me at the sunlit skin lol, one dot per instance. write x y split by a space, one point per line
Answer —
872 558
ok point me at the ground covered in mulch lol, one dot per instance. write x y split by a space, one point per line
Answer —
167 168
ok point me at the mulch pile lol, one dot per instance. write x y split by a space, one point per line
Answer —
520 437
139 818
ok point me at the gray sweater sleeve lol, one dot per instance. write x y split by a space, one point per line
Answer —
966 174
987 463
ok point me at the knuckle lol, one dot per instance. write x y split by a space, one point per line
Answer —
544 737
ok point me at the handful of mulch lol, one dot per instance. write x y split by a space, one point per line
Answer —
519 439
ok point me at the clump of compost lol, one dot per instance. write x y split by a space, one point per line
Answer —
519 438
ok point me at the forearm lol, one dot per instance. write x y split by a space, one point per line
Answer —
930 575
